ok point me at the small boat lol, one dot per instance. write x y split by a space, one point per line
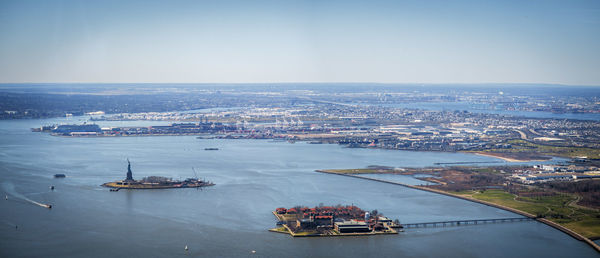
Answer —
59 175
211 148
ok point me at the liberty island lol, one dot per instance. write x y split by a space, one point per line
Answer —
154 182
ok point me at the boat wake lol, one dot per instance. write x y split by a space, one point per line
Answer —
9 188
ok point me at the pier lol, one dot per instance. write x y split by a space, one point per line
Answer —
464 222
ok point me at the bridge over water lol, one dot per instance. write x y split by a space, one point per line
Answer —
465 222
526 216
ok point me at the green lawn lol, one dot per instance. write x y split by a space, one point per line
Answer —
555 208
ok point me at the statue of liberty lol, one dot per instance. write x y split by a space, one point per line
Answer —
129 175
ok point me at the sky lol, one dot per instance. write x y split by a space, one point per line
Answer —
224 41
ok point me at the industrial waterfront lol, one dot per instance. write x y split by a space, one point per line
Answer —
232 218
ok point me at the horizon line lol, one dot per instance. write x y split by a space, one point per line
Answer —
381 83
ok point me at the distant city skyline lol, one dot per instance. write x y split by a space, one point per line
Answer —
553 42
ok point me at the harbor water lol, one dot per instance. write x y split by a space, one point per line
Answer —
231 219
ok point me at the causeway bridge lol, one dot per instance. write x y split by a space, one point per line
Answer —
464 222
522 213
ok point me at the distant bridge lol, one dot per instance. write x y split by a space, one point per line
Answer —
464 222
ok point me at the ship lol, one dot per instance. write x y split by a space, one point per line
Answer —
154 182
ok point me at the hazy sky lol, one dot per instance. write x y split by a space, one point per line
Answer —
300 41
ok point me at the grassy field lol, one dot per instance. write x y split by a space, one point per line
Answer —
555 208
522 146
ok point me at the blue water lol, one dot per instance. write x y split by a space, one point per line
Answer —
230 219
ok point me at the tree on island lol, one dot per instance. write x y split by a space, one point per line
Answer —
373 213
156 179
299 214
